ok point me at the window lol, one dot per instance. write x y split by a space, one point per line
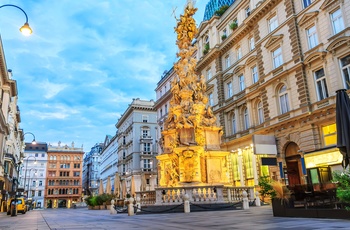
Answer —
227 61
247 12
39 193
273 24
239 53
76 173
255 76
234 126
337 21
40 183
246 118
241 82
208 74
36 155
312 37
251 43
166 109
345 65
77 166
321 85
147 147
211 99
224 32
144 118
43 155
260 113
306 3
147 164
34 183
145 132
283 97
124 154
277 57
329 133
229 90
161 112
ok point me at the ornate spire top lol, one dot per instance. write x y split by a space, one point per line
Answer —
189 104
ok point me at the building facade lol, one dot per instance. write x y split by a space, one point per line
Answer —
91 175
33 173
10 134
109 162
64 176
136 137
273 69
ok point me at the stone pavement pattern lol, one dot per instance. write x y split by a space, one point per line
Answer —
256 218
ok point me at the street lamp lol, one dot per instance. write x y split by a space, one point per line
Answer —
33 141
25 29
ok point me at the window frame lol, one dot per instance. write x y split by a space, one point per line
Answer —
322 93
277 58
273 23
345 79
255 74
312 38
246 118
260 111
283 100
229 89
337 22
241 81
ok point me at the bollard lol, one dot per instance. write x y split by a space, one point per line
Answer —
112 209
257 199
131 207
138 204
187 208
245 200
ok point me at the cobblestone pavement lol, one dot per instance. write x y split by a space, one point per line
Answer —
256 218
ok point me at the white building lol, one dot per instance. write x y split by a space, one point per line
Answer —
137 135
91 174
33 172
109 161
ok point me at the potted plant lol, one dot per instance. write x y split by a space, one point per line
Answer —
99 201
224 36
342 180
234 25
280 198
221 10
206 48
266 189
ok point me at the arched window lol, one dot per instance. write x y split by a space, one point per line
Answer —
234 124
260 113
283 99
246 118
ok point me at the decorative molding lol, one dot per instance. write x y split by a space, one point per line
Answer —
307 17
273 40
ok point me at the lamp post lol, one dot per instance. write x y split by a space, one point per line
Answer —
25 29
30 195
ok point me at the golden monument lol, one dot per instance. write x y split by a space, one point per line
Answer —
191 140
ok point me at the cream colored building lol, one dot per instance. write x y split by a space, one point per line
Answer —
273 68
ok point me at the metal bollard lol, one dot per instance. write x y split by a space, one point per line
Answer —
257 199
187 207
245 200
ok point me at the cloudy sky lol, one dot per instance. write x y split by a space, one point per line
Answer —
85 61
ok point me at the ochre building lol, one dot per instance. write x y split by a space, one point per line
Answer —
64 176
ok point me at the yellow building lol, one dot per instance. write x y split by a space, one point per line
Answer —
273 68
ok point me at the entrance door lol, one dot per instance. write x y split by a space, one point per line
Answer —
293 172
62 203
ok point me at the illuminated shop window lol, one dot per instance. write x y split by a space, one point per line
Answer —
329 133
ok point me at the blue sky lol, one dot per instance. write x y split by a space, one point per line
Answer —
85 61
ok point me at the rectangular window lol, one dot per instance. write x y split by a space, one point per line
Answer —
34 183
208 74
229 90
146 147
337 21
247 12
36 155
273 24
76 173
144 118
251 43
321 85
40 183
147 164
227 61
145 131
306 3
43 155
345 66
234 126
255 75
277 57
166 109
312 37
39 193
329 133
239 53
241 82
211 99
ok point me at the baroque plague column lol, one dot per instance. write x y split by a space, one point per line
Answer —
190 141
